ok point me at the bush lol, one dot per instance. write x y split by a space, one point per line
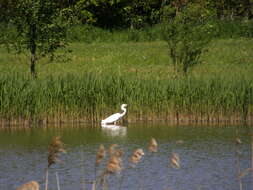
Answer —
88 34
223 29
233 28
187 34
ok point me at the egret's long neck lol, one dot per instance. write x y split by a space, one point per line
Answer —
124 111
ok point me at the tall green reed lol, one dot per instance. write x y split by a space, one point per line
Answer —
90 96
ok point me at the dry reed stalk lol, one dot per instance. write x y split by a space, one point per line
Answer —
46 179
152 148
136 156
83 184
152 145
114 165
175 161
238 141
100 154
119 153
104 181
238 155
240 173
134 159
55 147
112 149
57 180
31 185
244 173
93 187
99 157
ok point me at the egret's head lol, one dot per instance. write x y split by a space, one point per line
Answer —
123 105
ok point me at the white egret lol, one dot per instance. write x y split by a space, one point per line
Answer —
115 117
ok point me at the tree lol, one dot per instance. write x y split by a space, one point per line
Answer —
187 35
138 13
107 14
40 27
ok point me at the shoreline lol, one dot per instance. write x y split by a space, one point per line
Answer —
171 119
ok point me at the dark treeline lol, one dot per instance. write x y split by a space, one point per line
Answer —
133 13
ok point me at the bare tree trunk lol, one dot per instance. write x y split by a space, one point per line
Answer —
32 66
33 50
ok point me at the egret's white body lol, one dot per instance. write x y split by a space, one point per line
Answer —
115 117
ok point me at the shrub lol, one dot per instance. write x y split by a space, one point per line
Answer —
187 34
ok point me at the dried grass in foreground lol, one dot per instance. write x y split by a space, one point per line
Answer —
152 145
31 185
114 163
54 149
175 161
136 156
100 155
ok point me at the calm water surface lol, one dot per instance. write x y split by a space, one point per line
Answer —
208 159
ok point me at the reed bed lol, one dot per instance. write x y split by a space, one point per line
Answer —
91 96
99 77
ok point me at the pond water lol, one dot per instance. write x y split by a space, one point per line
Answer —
208 158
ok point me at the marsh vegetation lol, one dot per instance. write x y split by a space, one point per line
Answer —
99 77
177 61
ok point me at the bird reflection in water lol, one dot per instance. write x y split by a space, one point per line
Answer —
114 130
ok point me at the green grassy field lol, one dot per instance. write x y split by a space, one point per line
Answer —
143 58
96 78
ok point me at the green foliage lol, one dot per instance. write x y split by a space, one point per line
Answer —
93 94
187 35
219 29
106 14
84 15
91 34
88 34
233 29
139 13
40 28
102 75
8 37
42 17
135 13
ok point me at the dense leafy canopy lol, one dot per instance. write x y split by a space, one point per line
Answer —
133 13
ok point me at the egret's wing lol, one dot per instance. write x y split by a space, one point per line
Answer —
112 118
